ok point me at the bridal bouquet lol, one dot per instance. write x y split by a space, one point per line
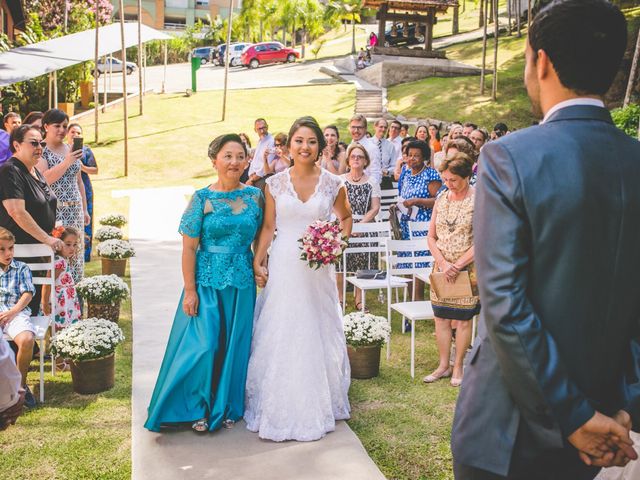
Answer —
322 244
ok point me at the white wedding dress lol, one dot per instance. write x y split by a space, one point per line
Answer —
299 375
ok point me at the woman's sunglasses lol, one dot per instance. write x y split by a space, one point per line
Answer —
36 144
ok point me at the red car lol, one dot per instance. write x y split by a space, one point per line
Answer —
266 53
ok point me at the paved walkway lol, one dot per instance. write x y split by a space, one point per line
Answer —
227 454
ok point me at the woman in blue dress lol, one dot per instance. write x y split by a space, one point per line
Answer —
203 373
418 186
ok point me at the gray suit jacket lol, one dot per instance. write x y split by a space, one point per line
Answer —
557 242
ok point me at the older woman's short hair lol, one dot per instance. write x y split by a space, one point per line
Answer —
357 146
459 164
464 145
422 146
216 145
18 134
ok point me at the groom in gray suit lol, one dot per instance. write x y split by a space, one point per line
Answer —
552 384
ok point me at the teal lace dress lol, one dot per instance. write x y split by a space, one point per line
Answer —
204 368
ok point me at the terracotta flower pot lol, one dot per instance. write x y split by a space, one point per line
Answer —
93 376
67 107
86 93
365 361
114 266
104 310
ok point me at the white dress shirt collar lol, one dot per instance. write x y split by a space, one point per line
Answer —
594 102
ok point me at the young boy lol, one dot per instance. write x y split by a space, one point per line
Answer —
16 291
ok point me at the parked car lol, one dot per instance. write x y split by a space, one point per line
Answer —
114 65
267 52
206 54
396 36
234 54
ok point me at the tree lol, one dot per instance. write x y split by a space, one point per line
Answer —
482 14
310 15
455 22
346 10
80 14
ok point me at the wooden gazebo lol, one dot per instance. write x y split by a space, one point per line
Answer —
418 12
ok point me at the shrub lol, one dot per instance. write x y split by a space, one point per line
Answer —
626 119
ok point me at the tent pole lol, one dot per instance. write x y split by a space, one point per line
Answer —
96 95
104 87
55 89
140 53
124 91
164 75
226 61
50 92
144 63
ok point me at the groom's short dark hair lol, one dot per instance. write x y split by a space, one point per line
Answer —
585 41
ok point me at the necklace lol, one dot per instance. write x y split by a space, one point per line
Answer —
451 224
355 180
418 173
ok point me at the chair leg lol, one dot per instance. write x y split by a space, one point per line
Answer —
41 347
364 300
413 348
474 327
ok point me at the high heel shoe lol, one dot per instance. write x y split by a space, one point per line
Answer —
435 377
201 426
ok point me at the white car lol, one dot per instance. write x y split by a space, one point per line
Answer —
114 66
234 54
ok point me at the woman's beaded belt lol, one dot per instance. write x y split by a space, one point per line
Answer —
68 204
224 249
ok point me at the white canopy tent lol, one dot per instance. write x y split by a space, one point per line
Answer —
41 58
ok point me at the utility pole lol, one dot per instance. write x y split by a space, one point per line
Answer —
484 7
96 95
494 88
226 61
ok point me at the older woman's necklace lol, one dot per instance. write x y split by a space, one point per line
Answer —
354 179
451 224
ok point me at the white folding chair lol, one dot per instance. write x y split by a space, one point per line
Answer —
41 323
418 230
402 260
387 198
378 233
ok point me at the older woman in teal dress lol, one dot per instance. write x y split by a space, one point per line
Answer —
203 373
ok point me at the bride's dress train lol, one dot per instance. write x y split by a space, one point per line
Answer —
298 377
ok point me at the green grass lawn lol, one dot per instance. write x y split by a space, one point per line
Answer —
72 436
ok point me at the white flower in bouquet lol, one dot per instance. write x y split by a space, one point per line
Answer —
365 329
108 233
106 289
88 339
113 219
115 249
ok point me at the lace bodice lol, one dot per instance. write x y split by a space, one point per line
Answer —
293 215
226 223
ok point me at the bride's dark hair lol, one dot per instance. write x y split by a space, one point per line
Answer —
311 123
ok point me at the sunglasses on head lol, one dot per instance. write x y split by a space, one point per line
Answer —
36 144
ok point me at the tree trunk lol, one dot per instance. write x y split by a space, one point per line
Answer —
632 73
483 8
261 29
304 39
491 12
293 33
481 19
509 17
494 88
353 34
455 24
528 13
518 20
284 35
464 6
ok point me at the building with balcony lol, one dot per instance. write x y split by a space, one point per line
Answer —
174 14
11 17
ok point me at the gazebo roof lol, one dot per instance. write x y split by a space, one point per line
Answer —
413 5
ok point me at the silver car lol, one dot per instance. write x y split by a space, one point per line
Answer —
114 65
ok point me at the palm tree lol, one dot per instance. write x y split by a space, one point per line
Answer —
345 10
310 15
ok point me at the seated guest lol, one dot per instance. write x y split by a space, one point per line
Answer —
11 121
16 291
279 155
11 391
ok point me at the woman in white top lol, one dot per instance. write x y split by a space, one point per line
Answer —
333 157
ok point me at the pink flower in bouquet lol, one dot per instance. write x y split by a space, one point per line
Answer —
322 244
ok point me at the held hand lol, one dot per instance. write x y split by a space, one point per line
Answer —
408 203
620 457
46 308
261 275
71 157
190 303
87 218
55 243
594 438
451 271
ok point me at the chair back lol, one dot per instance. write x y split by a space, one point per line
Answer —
401 257
418 229
387 198
39 258
370 239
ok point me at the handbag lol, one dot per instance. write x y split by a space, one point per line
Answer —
371 274
460 288
396 229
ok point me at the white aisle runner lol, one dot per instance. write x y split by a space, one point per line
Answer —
227 454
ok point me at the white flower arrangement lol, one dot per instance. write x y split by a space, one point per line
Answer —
113 220
106 289
115 249
108 233
88 339
365 329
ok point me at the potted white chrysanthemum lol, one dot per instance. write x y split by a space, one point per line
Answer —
91 345
113 220
365 334
103 294
108 233
114 254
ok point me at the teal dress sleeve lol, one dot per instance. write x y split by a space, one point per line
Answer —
191 221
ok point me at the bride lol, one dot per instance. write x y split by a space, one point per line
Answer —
298 376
